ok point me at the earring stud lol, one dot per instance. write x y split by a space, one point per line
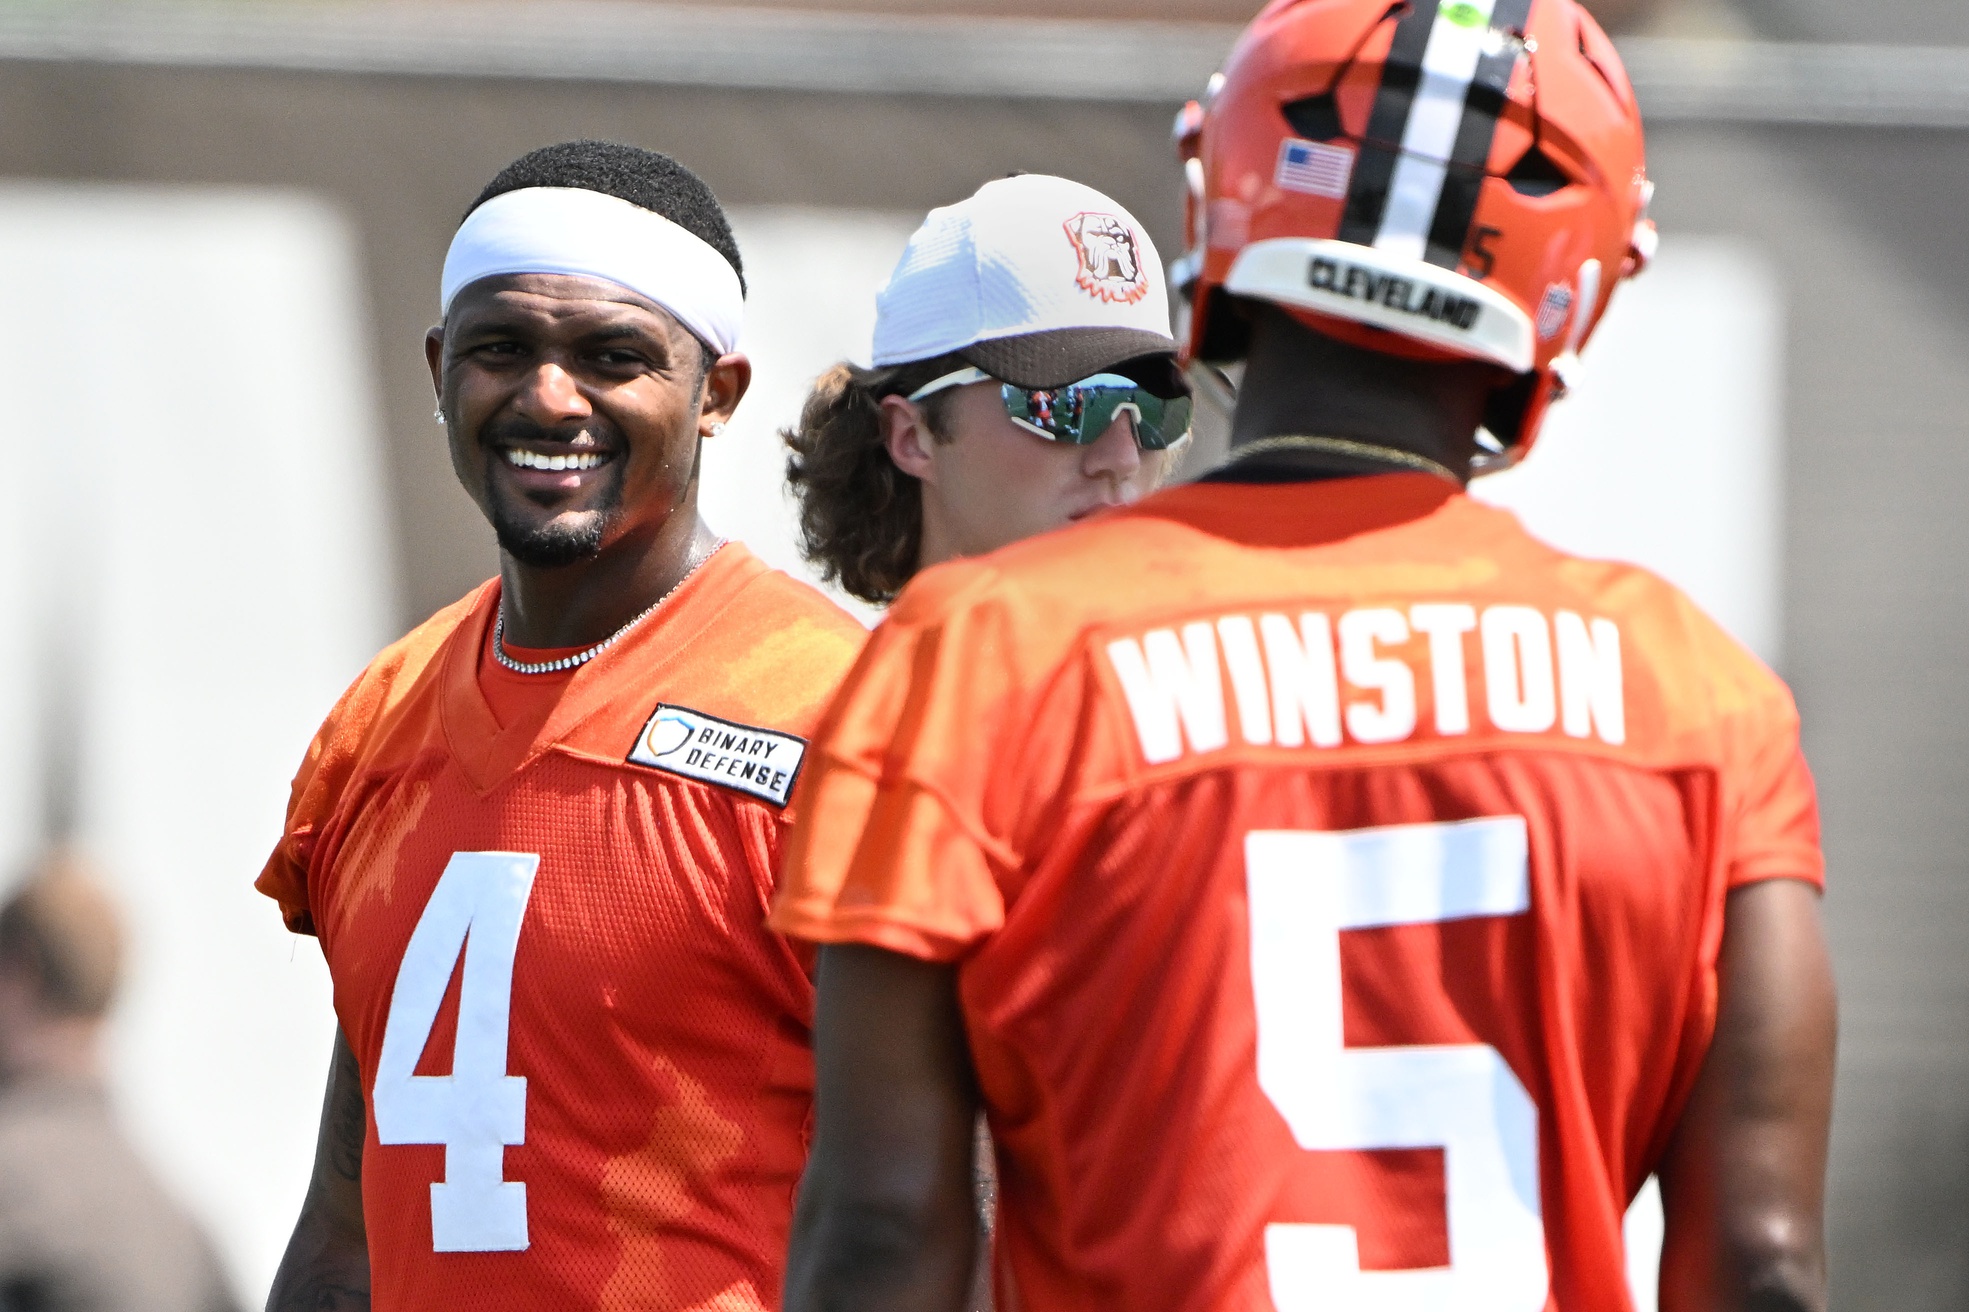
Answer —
438 414
717 430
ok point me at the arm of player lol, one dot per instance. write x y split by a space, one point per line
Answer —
1743 1183
886 1219
326 1266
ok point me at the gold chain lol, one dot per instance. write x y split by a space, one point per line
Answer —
1342 446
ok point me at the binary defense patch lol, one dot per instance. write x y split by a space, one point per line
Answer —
714 751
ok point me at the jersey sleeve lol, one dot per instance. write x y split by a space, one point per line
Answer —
1776 819
284 878
896 845
311 800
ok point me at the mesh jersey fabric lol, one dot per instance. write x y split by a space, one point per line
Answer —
661 1030
1112 773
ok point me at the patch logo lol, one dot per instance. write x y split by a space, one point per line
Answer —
1553 311
714 751
1110 257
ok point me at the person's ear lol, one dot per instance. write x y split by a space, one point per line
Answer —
434 357
907 437
725 385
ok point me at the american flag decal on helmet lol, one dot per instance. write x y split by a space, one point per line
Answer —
1314 167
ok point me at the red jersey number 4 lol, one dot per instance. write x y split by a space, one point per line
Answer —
478 1109
1304 888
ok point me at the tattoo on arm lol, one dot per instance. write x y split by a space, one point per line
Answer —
324 1296
326 1267
346 1123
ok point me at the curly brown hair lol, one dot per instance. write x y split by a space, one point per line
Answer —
861 518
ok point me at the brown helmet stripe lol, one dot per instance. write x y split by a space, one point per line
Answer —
1367 195
1450 233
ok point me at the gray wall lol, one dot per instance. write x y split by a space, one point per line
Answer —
1914 22
1866 225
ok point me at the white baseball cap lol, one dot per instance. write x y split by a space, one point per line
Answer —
1037 280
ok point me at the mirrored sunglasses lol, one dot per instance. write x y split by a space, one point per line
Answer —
1079 413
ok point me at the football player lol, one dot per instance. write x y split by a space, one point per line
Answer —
1334 896
537 837
1006 398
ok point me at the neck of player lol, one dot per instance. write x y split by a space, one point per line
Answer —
1301 383
580 604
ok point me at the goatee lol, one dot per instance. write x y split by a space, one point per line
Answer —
560 541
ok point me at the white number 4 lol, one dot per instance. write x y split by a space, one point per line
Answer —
1305 888
478 1109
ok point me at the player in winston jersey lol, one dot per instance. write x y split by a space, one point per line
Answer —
537 837
1334 897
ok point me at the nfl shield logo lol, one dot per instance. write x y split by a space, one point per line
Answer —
1553 311
1110 258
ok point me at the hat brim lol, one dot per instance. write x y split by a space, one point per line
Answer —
1067 355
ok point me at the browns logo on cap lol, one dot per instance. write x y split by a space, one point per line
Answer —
1037 280
1110 258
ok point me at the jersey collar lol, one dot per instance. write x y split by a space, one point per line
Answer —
623 680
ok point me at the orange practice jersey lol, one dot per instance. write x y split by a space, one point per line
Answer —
1336 876
605 1106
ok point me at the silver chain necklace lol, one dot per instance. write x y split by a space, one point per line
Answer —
587 654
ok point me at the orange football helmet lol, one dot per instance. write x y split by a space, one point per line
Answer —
1432 178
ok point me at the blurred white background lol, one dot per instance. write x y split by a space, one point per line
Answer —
199 567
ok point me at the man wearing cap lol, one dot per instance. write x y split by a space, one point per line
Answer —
537 837
1024 379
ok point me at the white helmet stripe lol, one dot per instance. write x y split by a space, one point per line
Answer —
1435 118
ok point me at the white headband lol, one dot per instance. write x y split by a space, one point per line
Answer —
568 230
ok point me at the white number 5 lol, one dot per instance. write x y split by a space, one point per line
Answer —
478 1109
1305 888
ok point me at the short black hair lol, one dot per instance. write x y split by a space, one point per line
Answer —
642 177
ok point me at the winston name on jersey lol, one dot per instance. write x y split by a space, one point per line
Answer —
1174 678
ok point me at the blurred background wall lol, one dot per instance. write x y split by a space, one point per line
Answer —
222 251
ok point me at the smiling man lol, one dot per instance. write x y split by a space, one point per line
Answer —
537 837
